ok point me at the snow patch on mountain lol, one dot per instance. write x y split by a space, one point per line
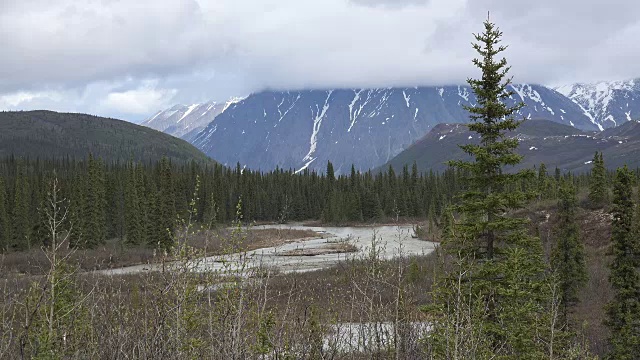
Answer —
605 103
317 122
187 120
302 130
189 110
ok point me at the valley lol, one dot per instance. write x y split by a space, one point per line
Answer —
361 200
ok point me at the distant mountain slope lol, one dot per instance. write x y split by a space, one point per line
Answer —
607 103
181 120
365 127
47 134
541 141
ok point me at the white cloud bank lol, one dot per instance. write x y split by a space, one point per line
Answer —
123 58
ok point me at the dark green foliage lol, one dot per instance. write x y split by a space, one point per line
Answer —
153 233
598 193
165 206
4 219
94 216
371 208
334 211
134 218
330 173
544 188
21 219
568 259
76 210
624 310
119 200
504 265
47 134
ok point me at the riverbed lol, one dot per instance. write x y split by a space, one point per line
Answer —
388 242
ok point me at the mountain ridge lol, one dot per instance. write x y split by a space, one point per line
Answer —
365 127
49 134
607 103
304 129
541 141
182 120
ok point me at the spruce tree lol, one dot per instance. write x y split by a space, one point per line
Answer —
353 207
598 182
500 265
371 208
568 259
165 207
21 233
415 194
330 175
95 204
623 312
543 182
153 232
133 216
77 210
141 190
4 219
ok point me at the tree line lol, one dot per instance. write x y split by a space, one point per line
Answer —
140 202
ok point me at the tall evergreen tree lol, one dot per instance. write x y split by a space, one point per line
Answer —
568 259
165 206
77 210
133 215
4 218
143 195
623 311
330 173
598 182
95 204
353 207
502 267
153 232
21 233
543 182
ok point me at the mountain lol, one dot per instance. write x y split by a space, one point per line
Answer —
47 134
181 120
365 127
541 141
607 104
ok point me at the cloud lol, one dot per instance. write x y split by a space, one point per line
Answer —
139 101
389 3
120 57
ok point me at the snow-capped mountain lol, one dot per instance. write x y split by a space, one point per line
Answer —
607 104
365 127
182 120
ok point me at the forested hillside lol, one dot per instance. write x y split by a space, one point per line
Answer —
48 134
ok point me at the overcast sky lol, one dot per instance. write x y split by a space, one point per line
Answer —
128 59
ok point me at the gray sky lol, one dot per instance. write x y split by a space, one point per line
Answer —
128 59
